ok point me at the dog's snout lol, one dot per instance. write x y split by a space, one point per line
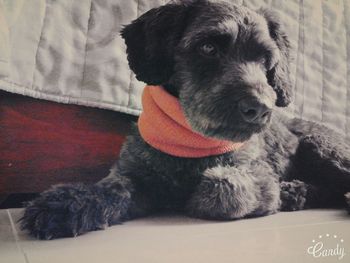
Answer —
253 111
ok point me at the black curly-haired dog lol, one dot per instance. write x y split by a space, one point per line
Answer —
228 67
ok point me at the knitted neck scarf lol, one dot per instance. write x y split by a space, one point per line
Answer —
163 125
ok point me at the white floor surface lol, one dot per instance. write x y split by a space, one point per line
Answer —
282 238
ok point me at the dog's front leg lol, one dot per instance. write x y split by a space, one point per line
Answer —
74 209
227 192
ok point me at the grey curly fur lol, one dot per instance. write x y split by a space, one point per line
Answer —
283 165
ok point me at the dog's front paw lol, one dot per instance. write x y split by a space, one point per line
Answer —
65 211
293 195
224 193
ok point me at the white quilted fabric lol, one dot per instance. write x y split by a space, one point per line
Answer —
4 42
71 52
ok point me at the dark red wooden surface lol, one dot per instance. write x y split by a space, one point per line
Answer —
44 143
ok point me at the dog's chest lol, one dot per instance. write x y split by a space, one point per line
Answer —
174 178
280 146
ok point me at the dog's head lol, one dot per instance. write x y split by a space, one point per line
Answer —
227 64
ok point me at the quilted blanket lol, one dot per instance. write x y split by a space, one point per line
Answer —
71 52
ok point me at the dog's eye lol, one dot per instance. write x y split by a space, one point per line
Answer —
208 49
263 60
267 62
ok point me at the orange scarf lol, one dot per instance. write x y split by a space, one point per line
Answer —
162 124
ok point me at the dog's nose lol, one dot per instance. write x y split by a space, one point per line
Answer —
253 111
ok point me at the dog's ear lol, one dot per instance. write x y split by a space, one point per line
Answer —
151 40
279 76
